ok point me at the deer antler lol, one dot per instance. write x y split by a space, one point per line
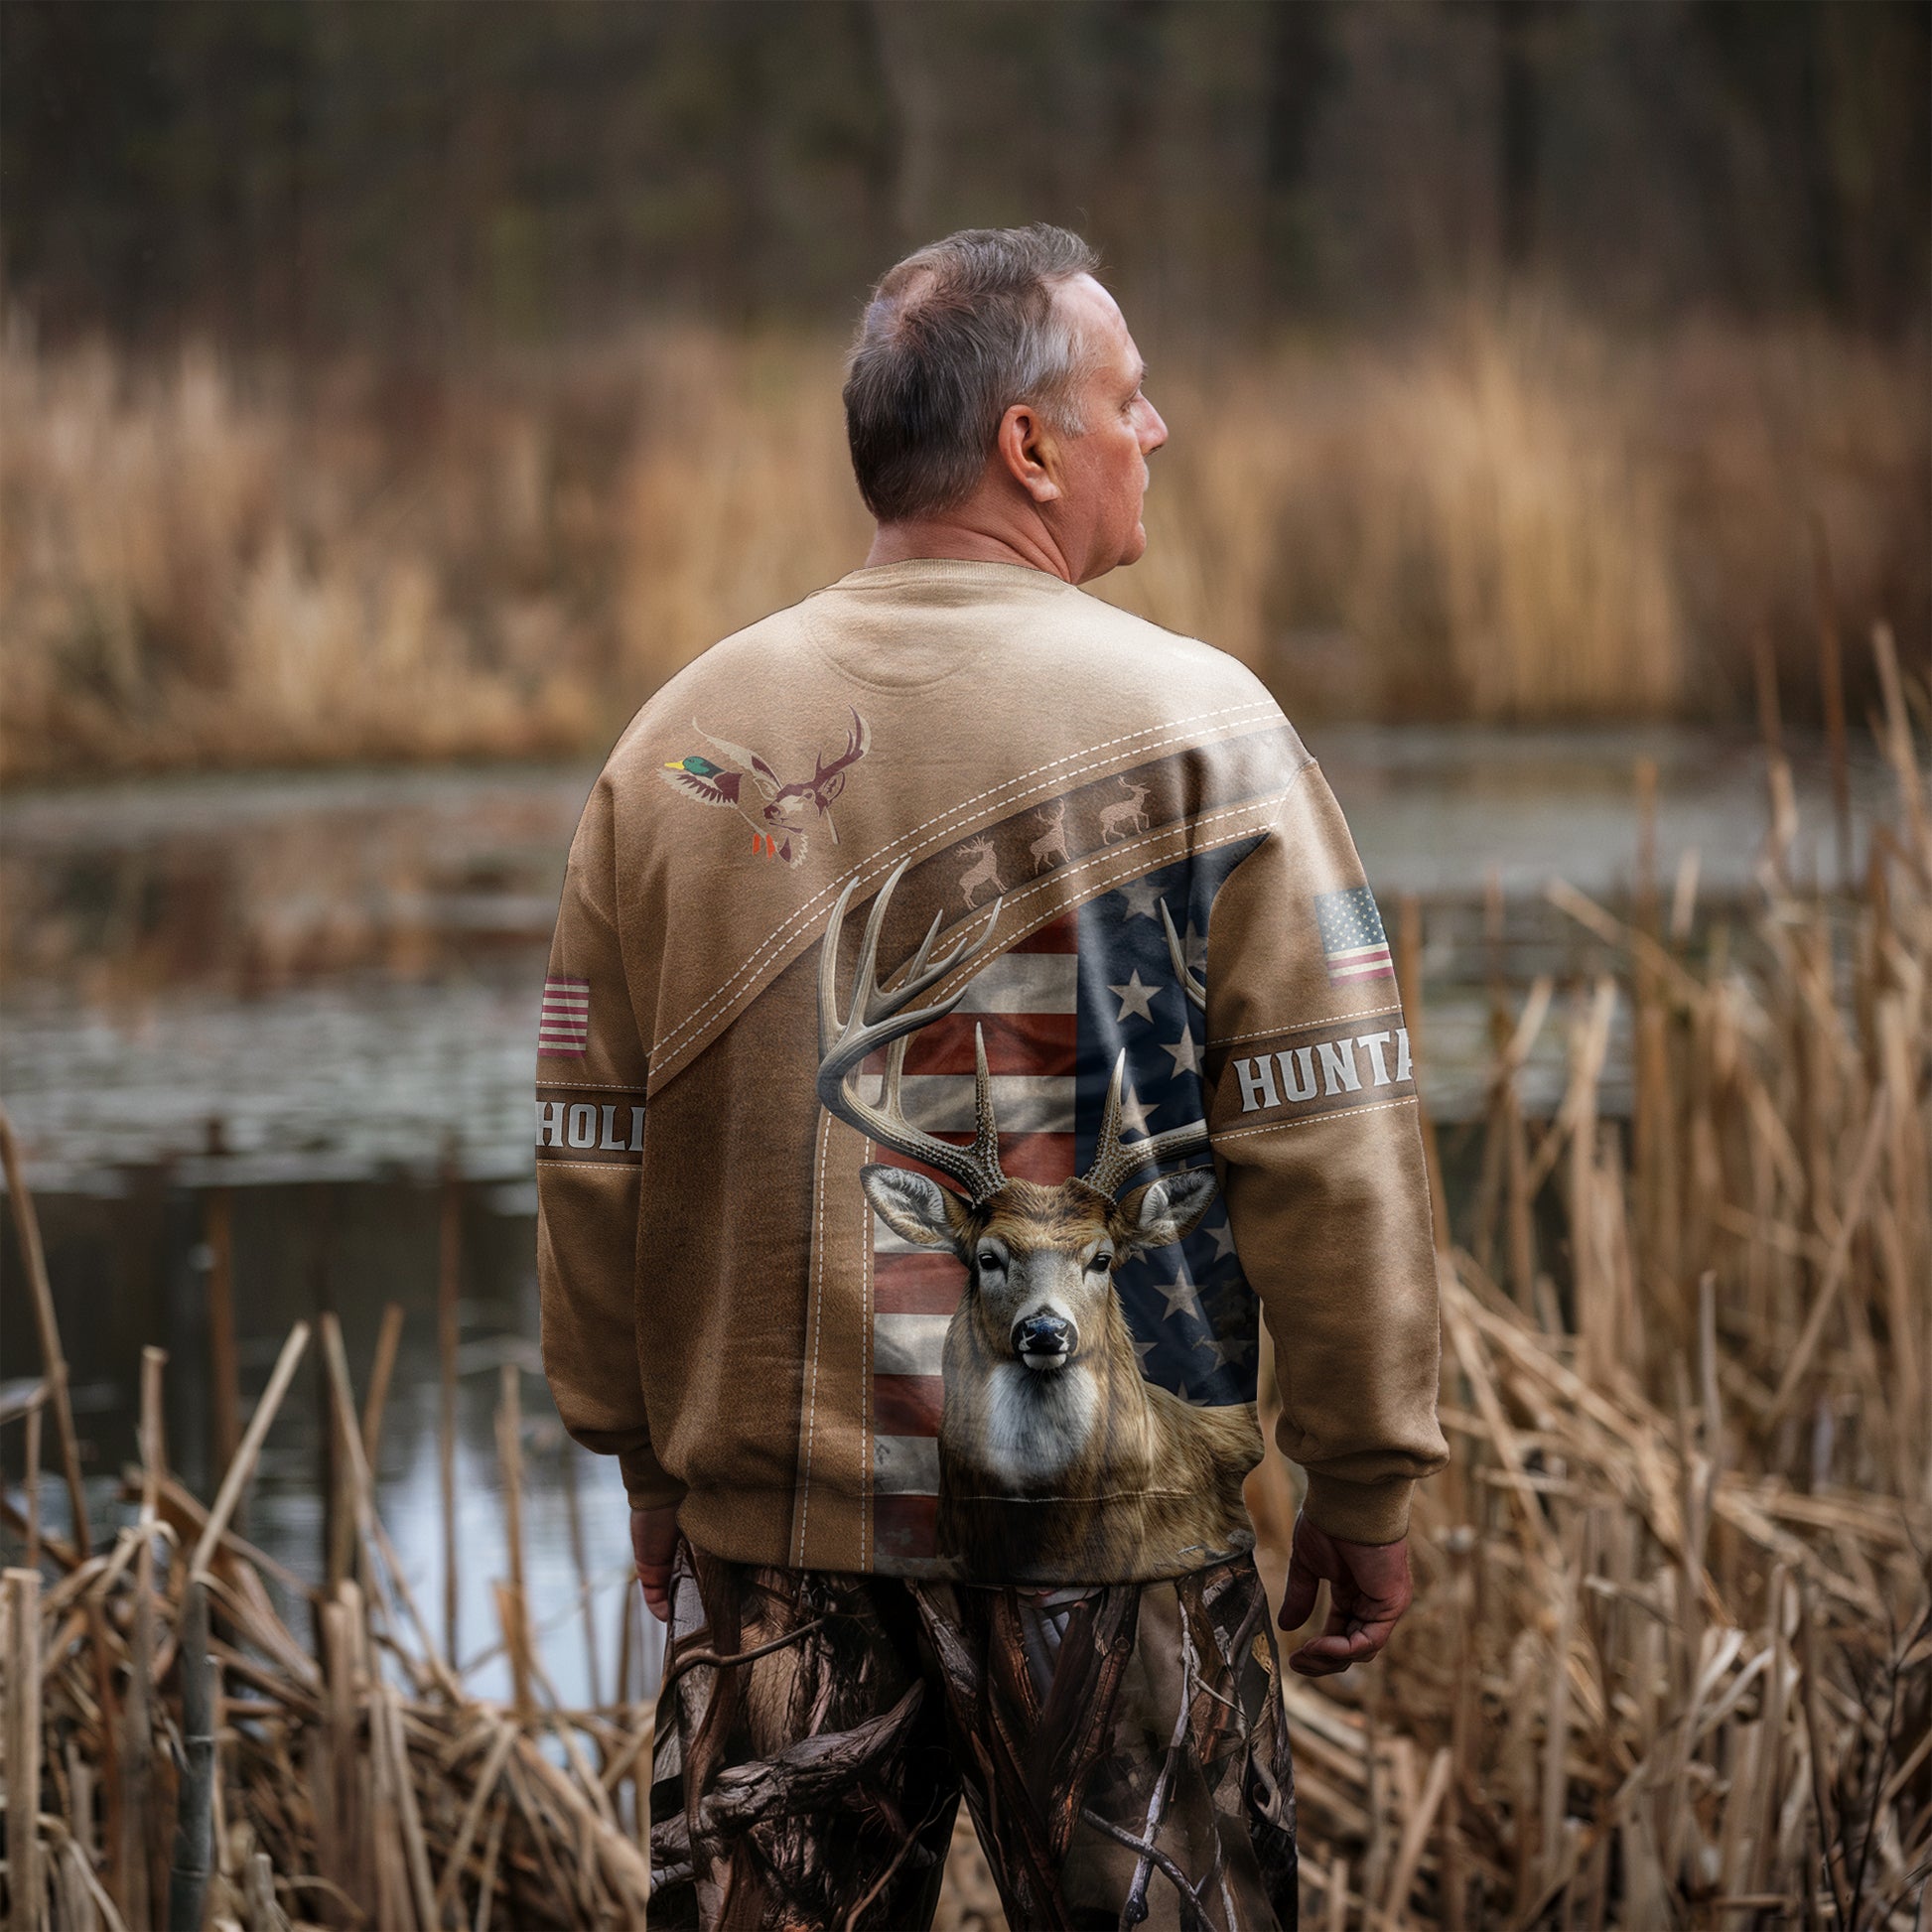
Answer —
1195 989
880 1018
1113 1160
858 742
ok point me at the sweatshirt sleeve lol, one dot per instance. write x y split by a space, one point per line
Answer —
1316 1139
590 1136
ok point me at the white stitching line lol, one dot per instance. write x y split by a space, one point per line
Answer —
1305 1026
958 812
1310 1120
595 1086
638 1162
818 1325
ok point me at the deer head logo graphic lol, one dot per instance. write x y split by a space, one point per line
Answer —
1043 1395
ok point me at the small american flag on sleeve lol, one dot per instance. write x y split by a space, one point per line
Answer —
564 1030
1352 941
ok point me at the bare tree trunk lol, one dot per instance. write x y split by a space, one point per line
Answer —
913 86
1518 128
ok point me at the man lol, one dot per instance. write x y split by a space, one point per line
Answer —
966 1017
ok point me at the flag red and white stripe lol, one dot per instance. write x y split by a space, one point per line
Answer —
1361 963
564 1027
1026 1001
1352 939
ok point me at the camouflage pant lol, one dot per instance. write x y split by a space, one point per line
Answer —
1122 1749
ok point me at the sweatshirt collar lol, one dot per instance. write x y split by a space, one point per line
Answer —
951 570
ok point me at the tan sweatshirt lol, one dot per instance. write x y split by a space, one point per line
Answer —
966 1017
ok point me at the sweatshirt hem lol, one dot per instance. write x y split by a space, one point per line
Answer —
755 1527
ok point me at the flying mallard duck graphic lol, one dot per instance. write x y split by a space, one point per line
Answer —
777 812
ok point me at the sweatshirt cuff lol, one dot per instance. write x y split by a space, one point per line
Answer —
1360 1512
645 1483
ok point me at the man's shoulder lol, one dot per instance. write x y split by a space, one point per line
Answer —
1075 662
1134 646
745 660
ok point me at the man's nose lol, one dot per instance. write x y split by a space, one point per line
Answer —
1155 430
1042 1335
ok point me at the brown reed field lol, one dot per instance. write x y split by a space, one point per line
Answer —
1505 515
1670 1663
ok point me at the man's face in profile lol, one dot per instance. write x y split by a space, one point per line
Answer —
1104 468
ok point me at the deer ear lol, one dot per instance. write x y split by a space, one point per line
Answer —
1166 1208
915 1205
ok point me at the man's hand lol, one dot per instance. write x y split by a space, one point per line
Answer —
1368 1589
653 1536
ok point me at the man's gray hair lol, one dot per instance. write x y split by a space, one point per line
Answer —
952 338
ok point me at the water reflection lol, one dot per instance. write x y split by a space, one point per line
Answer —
316 990
130 1267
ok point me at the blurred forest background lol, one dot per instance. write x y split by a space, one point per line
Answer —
393 382
425 380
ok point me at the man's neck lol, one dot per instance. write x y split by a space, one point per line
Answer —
945 537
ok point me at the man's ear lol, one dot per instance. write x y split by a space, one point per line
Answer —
1166 1208
1029 453
915 1206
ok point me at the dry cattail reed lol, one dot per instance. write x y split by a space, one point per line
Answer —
1506 516
1671 1657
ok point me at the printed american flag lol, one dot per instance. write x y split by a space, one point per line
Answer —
1057 1008
564 1030
1352 941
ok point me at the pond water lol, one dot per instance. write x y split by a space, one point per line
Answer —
317 989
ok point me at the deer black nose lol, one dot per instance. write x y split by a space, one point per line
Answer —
1042 1335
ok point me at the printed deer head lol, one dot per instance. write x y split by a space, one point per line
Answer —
1039 1261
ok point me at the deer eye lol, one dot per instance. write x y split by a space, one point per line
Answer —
989 1260
1100 1263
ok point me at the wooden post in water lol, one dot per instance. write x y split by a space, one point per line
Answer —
1408 968
26 1889
54 1364
449 1280
381 1372
623 1648
1782 801
329 1475
1831 682
224 1373
188 1876
510 1452
1655 1153
1482 1227
34 1477
580 1561
1897 740
1518 1218
137 1744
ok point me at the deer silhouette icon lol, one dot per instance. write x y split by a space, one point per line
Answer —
1129 815
985 870
1053 840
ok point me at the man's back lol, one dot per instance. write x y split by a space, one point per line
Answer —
967 1016
1004 1330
